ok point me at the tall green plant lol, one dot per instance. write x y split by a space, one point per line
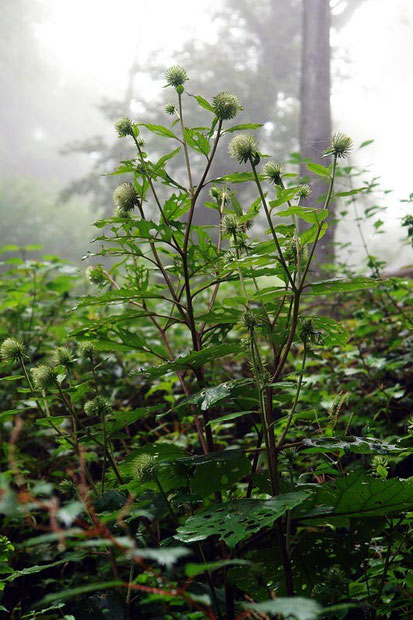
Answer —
226 458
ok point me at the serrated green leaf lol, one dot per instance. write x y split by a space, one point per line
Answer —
357 445
358 496
314 216
194 359
340 285
237 520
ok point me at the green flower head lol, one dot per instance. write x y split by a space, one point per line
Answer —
176 76
243 148
86 349
62 357
144 468
304 192
43 377
273 172
125 197
250 319
230 225
11 350
170 108
98 406
123 213
226 105
341 146
95 274
124 127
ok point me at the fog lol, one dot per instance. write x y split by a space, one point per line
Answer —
66 74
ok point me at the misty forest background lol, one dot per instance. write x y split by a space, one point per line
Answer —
57 123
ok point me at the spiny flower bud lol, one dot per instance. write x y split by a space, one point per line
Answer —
176 76
98 406
243 148
170 108
62 357
273 172
250 320
120 212
69 488
11 350
230 225
43 377
144 468
380 466
341 146
304 191
125 197
95 274
86 349
124 127
226 105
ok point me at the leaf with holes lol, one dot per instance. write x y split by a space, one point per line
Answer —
357 445
238 519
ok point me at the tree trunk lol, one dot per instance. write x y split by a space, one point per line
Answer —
315 113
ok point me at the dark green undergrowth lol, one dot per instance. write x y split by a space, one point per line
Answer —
205 427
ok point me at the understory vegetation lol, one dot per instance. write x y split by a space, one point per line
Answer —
204 426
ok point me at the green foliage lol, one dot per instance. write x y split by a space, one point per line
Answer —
198 427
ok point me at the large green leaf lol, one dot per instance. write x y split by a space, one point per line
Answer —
194 359
298 607
333 333
357 445
313 216
124 418
159 130
216 470
339 285
238 519
356 496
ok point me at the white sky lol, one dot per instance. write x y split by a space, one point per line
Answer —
97 40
